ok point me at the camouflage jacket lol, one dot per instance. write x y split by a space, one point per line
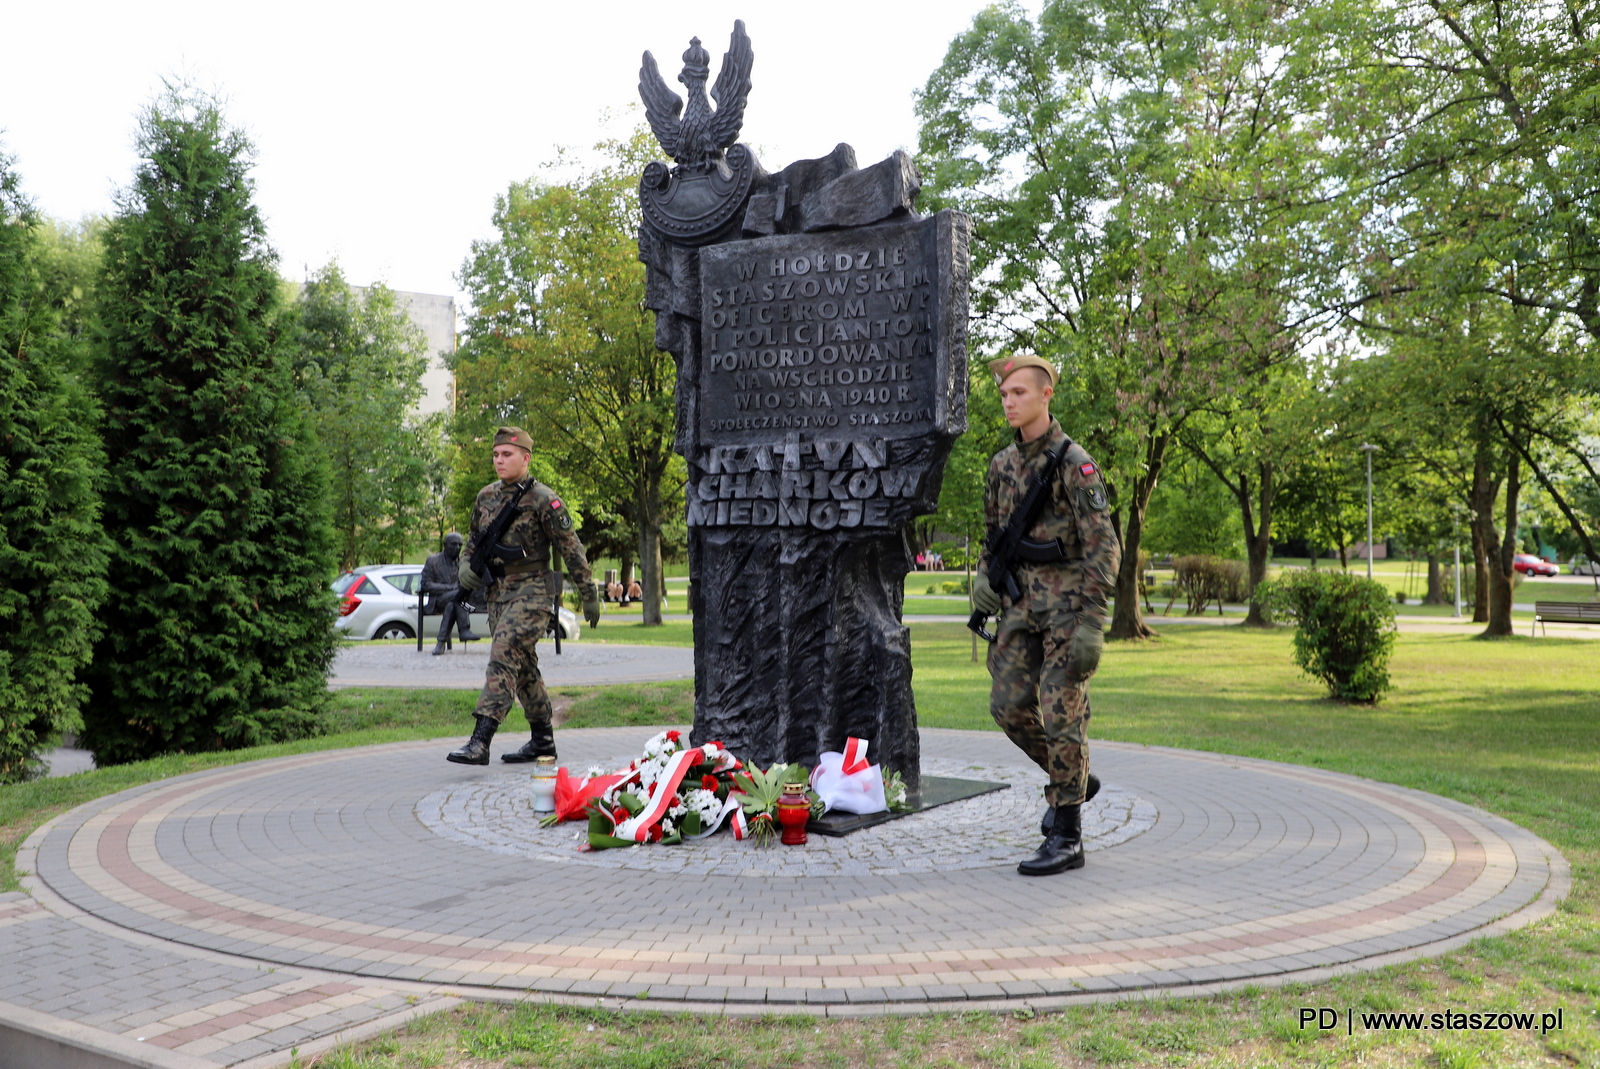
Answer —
1076 511
542 521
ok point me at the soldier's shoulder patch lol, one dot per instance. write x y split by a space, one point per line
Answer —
1088 470
562 516
1094 497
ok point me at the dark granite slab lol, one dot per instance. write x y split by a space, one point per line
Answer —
936 791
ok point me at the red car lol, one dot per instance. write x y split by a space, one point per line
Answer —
1528 564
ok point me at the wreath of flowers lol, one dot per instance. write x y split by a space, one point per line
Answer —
701 784
709 787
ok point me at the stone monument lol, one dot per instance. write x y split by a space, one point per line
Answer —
819 328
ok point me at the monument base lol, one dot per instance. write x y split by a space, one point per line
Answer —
936 791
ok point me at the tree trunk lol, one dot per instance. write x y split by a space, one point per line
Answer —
1257 536
1435 595
1127 619
1501 574
1494 591
650 549
1258 543
650 572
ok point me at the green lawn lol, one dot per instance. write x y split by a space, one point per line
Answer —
1512 726
1508 725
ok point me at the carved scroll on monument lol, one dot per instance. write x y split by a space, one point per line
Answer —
819 326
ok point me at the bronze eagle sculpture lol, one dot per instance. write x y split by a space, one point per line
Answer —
698 139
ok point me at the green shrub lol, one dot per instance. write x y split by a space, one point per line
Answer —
1344 629
958 586
1205 580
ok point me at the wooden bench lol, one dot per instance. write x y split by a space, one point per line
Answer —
1564 612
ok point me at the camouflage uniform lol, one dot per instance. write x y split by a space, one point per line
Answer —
1035 700
521 603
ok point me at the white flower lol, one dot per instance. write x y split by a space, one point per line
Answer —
703 802
661 746
649 772
595 772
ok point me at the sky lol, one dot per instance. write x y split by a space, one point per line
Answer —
384 131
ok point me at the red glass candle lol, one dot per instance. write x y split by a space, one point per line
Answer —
794 810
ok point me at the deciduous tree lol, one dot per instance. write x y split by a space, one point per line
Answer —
559 338
358 361
1147 210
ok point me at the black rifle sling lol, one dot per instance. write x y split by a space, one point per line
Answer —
483 548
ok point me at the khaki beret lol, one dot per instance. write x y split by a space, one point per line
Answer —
514 436
1003 367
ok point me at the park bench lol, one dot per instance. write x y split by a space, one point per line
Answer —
1564 612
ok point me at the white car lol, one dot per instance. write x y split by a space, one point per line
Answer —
380 601
1584 567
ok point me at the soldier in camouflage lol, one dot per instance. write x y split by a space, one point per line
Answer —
1048 643
521 596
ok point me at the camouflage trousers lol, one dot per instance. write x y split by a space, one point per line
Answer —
519 609
1036 703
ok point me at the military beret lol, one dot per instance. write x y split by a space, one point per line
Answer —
1003 367
514 436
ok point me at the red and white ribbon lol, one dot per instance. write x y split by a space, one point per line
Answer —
638 827
855 756
740 826
730 805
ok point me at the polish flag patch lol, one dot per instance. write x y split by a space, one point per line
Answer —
1086 469
555 502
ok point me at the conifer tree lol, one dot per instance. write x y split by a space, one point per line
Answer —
52 555
218 625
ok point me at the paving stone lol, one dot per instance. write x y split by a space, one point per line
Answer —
323 860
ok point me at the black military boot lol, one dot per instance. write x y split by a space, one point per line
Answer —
438 647
1062 849
476 750
542 744
1049 817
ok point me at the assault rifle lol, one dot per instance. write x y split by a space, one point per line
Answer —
555 614
1013 544
487 549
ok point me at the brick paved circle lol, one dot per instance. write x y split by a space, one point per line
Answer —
1250 870
994 829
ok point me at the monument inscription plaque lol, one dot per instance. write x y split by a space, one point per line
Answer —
825 368
819 327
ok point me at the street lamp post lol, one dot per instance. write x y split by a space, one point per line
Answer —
1369 450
